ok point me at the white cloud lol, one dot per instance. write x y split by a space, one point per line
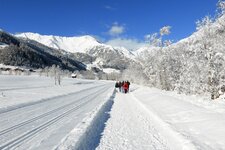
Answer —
109 7
116 29
131 44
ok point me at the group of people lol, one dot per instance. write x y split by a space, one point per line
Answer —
123 86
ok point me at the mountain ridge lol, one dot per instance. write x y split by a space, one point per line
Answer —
70 44
32 54
103 55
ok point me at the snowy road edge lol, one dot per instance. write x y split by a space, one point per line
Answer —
87 135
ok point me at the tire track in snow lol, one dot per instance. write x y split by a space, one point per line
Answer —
26 136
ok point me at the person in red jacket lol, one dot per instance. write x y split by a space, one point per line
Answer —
125 87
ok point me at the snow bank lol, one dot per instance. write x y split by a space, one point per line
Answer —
196 122
87 135
174 139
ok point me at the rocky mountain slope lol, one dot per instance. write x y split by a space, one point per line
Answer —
87 50
31 54
71 53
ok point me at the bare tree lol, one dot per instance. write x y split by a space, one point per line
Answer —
56 73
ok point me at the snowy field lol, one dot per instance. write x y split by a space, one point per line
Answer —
36 114
88 114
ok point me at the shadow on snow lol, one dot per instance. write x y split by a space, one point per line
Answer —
91 138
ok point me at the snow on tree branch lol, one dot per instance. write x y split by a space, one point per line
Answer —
221 6
205 22
165 30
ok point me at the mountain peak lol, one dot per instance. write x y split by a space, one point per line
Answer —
70 44
81 44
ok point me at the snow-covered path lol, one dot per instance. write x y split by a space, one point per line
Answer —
149 118
130 127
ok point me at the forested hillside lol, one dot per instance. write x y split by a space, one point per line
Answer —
194 65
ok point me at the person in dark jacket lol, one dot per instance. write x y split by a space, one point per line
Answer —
120 86
117 85
128 85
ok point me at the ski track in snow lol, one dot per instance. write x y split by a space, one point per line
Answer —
94 126
18 91
13 107
43 124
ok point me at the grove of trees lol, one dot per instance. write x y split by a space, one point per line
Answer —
195 65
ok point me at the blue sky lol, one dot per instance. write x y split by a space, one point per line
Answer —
105 19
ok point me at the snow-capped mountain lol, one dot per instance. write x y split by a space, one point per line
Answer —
31 54
125 52
70 44
99 55
82 44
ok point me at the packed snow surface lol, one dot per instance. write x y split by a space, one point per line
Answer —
149 118
88 114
